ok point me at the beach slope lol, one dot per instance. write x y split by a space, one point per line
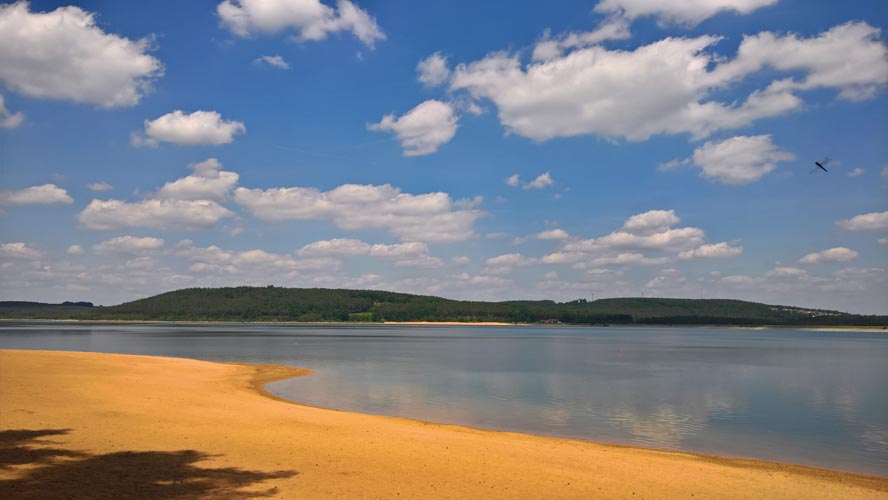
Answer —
84 425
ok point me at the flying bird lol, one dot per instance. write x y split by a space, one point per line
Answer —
820 165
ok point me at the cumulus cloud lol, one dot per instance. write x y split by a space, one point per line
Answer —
433 70
552 234
276 61
100 186
161 214
424 217
650 222
548 48
787 273
251 265
128 245
865 222
513 180
309 19
208 182
681 12
543 180
335 247
423 129
738 160
647 238
856 172
510 259
665 87
850 57
410 249
63 54
712 251
197 128
47 194
19 250
74 250
837 254
8 119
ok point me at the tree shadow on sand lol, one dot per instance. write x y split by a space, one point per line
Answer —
40 471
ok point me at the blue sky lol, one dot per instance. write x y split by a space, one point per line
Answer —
482 151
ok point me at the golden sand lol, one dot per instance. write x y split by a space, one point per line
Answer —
84 425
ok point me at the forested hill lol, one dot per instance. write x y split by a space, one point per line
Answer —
319 304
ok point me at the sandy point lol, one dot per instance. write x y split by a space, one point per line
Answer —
85 425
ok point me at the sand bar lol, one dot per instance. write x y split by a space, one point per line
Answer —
84 425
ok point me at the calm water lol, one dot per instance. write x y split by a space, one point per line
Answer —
816 398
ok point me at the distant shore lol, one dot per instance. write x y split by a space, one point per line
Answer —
120 426
832 328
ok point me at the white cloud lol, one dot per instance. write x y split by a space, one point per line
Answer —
165 214
503 264
650 222
883 241
310 19
423 129
100 186
665 87
647 238
276 61
792 273
47 194
335 247
552 234
513 180
408 250
866 222
8 119
141 264
433 70
427 262
128 245
837 254
251 266
74 250
483 282
425 217
850 57
856 172
208 182
510 259
712 251
197 128
543 180
739 160
885 171
63 54
460 260
19 250
688 13
548 48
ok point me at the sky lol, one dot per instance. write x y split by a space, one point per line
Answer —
471 150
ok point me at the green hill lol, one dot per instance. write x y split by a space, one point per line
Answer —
320 304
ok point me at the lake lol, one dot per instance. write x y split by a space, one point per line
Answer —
808 397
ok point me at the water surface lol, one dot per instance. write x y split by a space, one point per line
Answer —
815 398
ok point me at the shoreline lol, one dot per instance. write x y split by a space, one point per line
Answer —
223 413
813 328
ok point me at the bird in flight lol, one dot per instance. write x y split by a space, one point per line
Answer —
821 165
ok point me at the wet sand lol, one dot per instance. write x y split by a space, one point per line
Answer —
85 425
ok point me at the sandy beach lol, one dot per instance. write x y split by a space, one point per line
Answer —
84 425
